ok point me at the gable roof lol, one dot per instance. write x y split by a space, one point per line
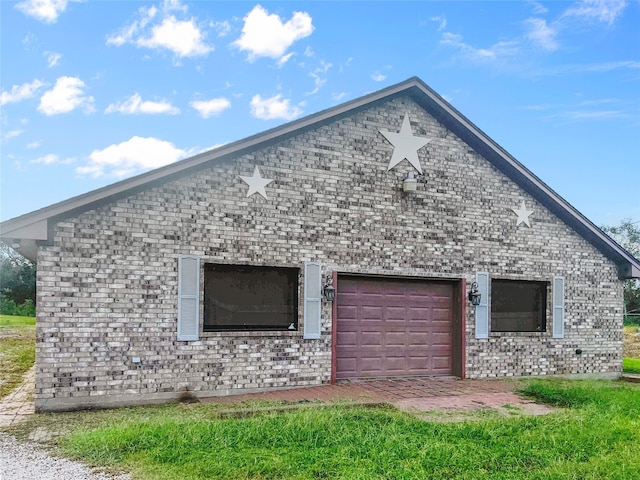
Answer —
27 231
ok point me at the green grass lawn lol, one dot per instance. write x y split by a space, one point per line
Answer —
16 321
596 434
631 365
17 350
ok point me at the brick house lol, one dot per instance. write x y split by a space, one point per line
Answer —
212 274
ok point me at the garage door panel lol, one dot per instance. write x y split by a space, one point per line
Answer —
418 363
441 363
395 339
347 339
440 326
349 288
417 339
396 327
440 316
395 365
438 339
369 366
347 365
348 312
371 312
418 313
395 313
371 339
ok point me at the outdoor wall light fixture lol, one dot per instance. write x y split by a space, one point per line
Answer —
328 289
474 294
409 184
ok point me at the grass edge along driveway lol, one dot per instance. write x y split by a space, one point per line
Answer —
17 350
595 435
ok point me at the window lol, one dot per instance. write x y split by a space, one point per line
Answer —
518 306
243 297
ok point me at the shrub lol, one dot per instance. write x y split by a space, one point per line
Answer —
632 321
7 307
27 309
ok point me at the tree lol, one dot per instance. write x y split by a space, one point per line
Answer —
627 234
17 277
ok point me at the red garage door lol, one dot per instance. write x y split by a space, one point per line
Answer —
393 327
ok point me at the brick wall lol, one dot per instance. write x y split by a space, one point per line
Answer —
107 287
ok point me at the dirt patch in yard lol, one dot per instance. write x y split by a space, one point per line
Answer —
631 346
479 406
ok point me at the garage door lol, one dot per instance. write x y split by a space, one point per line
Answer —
393 327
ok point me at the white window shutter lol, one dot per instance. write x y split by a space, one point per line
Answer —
558 307
188 297
312 300
482 310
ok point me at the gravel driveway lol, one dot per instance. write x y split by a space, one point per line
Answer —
27 461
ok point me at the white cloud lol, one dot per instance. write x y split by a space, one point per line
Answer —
377 76
209 108
538 32
542 34
33 145
608 66
605 11
591 68
496 51
173 5
265 35
52 58
600 101
442 22
46 11
538 8
12 134
127 33
66 95
273 108
20 92
223 28
284 59
52 159
134 105
319 76
182 37
29 40
132 156
593 115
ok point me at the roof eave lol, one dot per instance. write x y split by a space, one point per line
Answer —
13 228
35 226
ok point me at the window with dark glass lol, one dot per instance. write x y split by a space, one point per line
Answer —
244 297
518 306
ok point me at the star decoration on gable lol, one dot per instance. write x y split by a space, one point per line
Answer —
256 183
523 215
405 145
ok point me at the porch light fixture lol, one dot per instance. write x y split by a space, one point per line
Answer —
409 184
474 294
328 289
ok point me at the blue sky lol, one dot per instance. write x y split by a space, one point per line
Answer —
92 92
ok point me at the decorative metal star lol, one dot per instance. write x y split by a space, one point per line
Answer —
523 214
256 183
405 145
